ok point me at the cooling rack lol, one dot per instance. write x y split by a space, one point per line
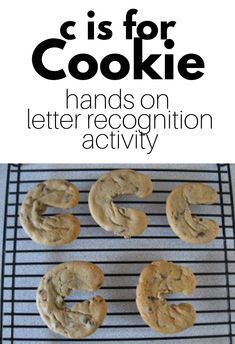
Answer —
24 262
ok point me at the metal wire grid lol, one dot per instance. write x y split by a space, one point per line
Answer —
24 262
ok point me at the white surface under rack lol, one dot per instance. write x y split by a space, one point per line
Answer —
24 262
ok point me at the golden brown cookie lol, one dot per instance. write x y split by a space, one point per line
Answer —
163 277
83 318
50 230
126 222
189 227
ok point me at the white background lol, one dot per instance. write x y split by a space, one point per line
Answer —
203 27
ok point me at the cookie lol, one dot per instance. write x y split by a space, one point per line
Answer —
163 277
189 227
50 230
83 318
126 222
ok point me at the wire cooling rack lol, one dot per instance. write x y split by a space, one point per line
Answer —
24 262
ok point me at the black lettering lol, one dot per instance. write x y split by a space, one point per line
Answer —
38 118
63 121
129 23
142 34
169 67
37 59
115 97
100 118
103 27
143 99
131 117
111 121
88 143
105 66
64 30
98 139
141 66
29 119
88 121
169 43
128 101
69 96
87 100
92 69
91 29
184 64
191 115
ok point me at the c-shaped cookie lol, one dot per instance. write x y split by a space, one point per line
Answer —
189 227
163 277
83 318
50 230
122 221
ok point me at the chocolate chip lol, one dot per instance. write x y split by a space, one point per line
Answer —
68 197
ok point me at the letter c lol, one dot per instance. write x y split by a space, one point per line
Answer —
97 139
37 59
64 30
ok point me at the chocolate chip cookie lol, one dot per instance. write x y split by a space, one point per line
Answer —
50 230
83 318
126 222
163 277
189 227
